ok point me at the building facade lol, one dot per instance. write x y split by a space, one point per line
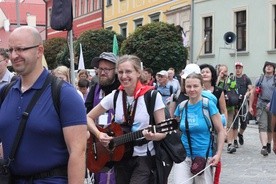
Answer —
87 15
253 24
12 15
125 16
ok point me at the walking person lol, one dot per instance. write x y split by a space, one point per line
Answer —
209 76
131 113
264 86
244 86
107 82
227 83
198 141
52 148
273 120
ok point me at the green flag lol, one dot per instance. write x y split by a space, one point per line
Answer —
115 46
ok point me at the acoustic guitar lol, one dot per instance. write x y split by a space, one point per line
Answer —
98 155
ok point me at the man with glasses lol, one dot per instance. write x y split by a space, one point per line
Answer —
5 74
52 148
108 81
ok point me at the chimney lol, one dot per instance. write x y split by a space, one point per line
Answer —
7 25
31 20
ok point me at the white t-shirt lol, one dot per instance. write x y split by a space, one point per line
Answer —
141 118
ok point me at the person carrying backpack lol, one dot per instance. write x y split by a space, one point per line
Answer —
53 143
138 163
196 135
264 86
244 86
228 84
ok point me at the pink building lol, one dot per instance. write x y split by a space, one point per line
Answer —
87 15
30 12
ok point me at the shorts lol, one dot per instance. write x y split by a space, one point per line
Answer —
264 119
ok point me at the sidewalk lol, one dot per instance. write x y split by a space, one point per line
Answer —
247 165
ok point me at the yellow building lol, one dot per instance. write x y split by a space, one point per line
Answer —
124 16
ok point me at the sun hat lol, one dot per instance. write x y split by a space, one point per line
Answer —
190 68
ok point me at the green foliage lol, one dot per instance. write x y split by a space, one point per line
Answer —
159 45
52 48
94 42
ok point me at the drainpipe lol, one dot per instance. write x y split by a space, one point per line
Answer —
102 13
46 19
17 14
192 32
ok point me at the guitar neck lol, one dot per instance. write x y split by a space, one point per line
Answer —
125 138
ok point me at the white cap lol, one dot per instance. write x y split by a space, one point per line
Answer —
238 64
163 73
190 68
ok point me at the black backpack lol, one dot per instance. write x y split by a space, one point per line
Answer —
56 84
62 15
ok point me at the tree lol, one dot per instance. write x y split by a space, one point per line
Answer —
53 47
94 42
159 45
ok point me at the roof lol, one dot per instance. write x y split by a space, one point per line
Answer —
33 7
4 36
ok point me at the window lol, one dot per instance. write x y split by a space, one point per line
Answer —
123 29
208 31
108 2
241 30
109 28
154 17
138 22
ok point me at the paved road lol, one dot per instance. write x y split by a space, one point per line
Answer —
247 165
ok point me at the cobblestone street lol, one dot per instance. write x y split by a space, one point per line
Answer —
247 165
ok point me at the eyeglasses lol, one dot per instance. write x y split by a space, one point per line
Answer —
19 50
105 70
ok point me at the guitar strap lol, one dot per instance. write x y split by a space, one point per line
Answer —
129 112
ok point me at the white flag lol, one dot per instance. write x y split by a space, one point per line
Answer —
184 38
81 61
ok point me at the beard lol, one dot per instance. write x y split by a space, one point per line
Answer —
103 81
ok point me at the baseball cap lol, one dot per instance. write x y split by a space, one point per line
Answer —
109 56
163 73
190 68
238 64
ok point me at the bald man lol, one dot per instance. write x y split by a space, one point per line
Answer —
52 148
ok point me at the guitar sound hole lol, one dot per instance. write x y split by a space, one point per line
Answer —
111 133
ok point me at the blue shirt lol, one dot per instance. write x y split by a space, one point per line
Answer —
165 92
42 145
199 132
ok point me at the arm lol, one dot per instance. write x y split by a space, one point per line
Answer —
75 139
273 125
91 116
222 105
251 100
221 137
172 107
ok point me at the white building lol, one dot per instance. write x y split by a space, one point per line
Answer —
252 21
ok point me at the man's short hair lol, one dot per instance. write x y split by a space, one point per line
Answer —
4 53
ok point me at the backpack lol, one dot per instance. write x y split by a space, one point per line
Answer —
56 84
231 91
206 114
62 15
